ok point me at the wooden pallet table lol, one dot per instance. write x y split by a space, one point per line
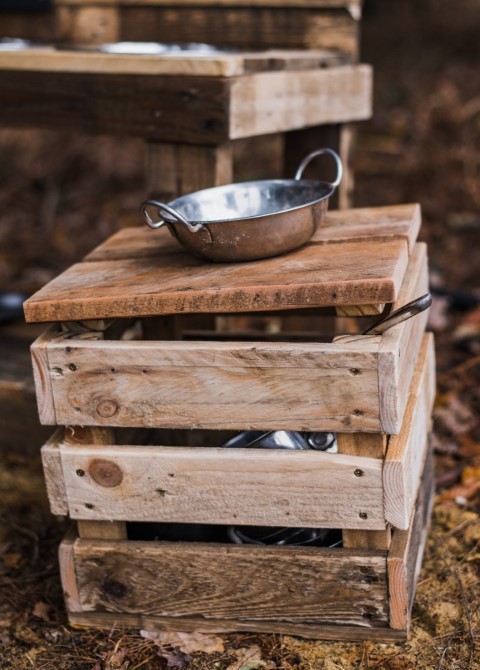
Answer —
193 111
147 379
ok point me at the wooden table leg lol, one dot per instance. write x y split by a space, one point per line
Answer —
340 138
176 169
372 445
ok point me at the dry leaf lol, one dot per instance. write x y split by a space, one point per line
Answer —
248 658
41 610
186 642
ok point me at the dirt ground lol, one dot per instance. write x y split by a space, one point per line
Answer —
61 194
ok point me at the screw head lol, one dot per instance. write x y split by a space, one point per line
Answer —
354 371
72 367
363 515
80 472
358 472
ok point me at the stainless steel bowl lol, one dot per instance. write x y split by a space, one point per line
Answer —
249 220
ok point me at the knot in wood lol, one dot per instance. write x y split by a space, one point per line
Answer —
105 473
114 589
107 408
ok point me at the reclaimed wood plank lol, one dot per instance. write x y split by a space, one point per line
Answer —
175 282
53 472
42 378
223 486
320 4
216 385
195 579
68 574
406 553
270 102
406 452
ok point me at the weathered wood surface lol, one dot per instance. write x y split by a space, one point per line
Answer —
406 553
68 573
320 4
41 375
296 585
208 485
48 59
89 24
53 473
139 272
399 346
191 625
406 452
189 109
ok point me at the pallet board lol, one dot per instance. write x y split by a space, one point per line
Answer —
365 594
252 487
139 272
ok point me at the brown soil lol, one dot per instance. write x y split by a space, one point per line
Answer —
60 195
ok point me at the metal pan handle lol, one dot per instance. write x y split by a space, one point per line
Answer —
320 152
176 216
398 316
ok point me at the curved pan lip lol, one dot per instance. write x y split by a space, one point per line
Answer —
175 204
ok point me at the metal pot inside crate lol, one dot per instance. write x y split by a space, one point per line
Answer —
250 220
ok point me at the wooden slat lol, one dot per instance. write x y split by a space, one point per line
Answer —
48 59
68 573
295 585
216 385
87 24
42 377
320 4
53 472
280 101
362 272
406 553
234 486
168 108
201 625
406 452
177 169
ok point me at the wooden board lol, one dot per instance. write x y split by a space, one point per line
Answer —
47 59
406 553
320 4
406 452
139 272
188 109
195 579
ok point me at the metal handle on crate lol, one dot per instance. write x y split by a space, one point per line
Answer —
398 316
176 216
320 152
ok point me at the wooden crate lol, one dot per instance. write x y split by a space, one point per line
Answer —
349 594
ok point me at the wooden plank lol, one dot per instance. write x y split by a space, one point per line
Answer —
216 385
406 452
405 557
68 573
373 446
320 4
343 273
281 584
191 625
270 102
40 26
218 486
49 59
177 169
393 222
42 378
87 24
165 108
360 310
53 472
245 27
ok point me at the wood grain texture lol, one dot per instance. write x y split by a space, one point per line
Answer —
190 625
176 169
406 452
42 378
172 281
88 24
68 573
45 59
394 222
320 4
406 553
218 486
217 385
53 472
195 579
279 101
165 108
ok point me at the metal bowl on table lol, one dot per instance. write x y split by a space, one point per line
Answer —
249 220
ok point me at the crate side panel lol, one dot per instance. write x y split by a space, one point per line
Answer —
297 585
231 386
224 486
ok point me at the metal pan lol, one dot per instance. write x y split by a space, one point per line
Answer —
249 220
